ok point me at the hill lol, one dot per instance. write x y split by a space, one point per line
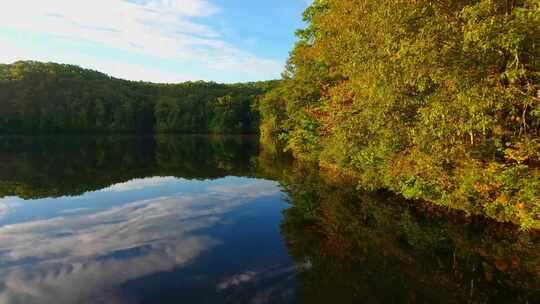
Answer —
40 97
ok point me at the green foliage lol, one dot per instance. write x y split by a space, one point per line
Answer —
46 97
420 97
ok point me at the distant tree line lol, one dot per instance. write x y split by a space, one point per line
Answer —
56 98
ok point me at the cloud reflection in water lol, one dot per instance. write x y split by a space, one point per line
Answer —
76 257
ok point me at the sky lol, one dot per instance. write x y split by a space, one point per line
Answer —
155 40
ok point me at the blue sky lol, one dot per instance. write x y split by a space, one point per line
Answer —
155 40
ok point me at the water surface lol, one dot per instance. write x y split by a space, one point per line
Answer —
195 219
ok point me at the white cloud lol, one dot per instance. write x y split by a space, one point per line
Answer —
6 206
195 8
237 280
259 188
75 210
166 29
138 184
66 281
10 53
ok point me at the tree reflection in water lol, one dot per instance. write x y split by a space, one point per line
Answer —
378 248
349 246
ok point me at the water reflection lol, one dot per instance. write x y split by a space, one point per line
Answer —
130 219
54 166
70 259
376 248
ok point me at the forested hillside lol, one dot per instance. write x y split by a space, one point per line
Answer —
50 98
435 100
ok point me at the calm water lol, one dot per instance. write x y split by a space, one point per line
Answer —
193 219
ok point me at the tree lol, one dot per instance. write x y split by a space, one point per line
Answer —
435 100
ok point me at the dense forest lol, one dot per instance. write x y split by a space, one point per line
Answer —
436 100
55 98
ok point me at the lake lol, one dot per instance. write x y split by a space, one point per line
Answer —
209 219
